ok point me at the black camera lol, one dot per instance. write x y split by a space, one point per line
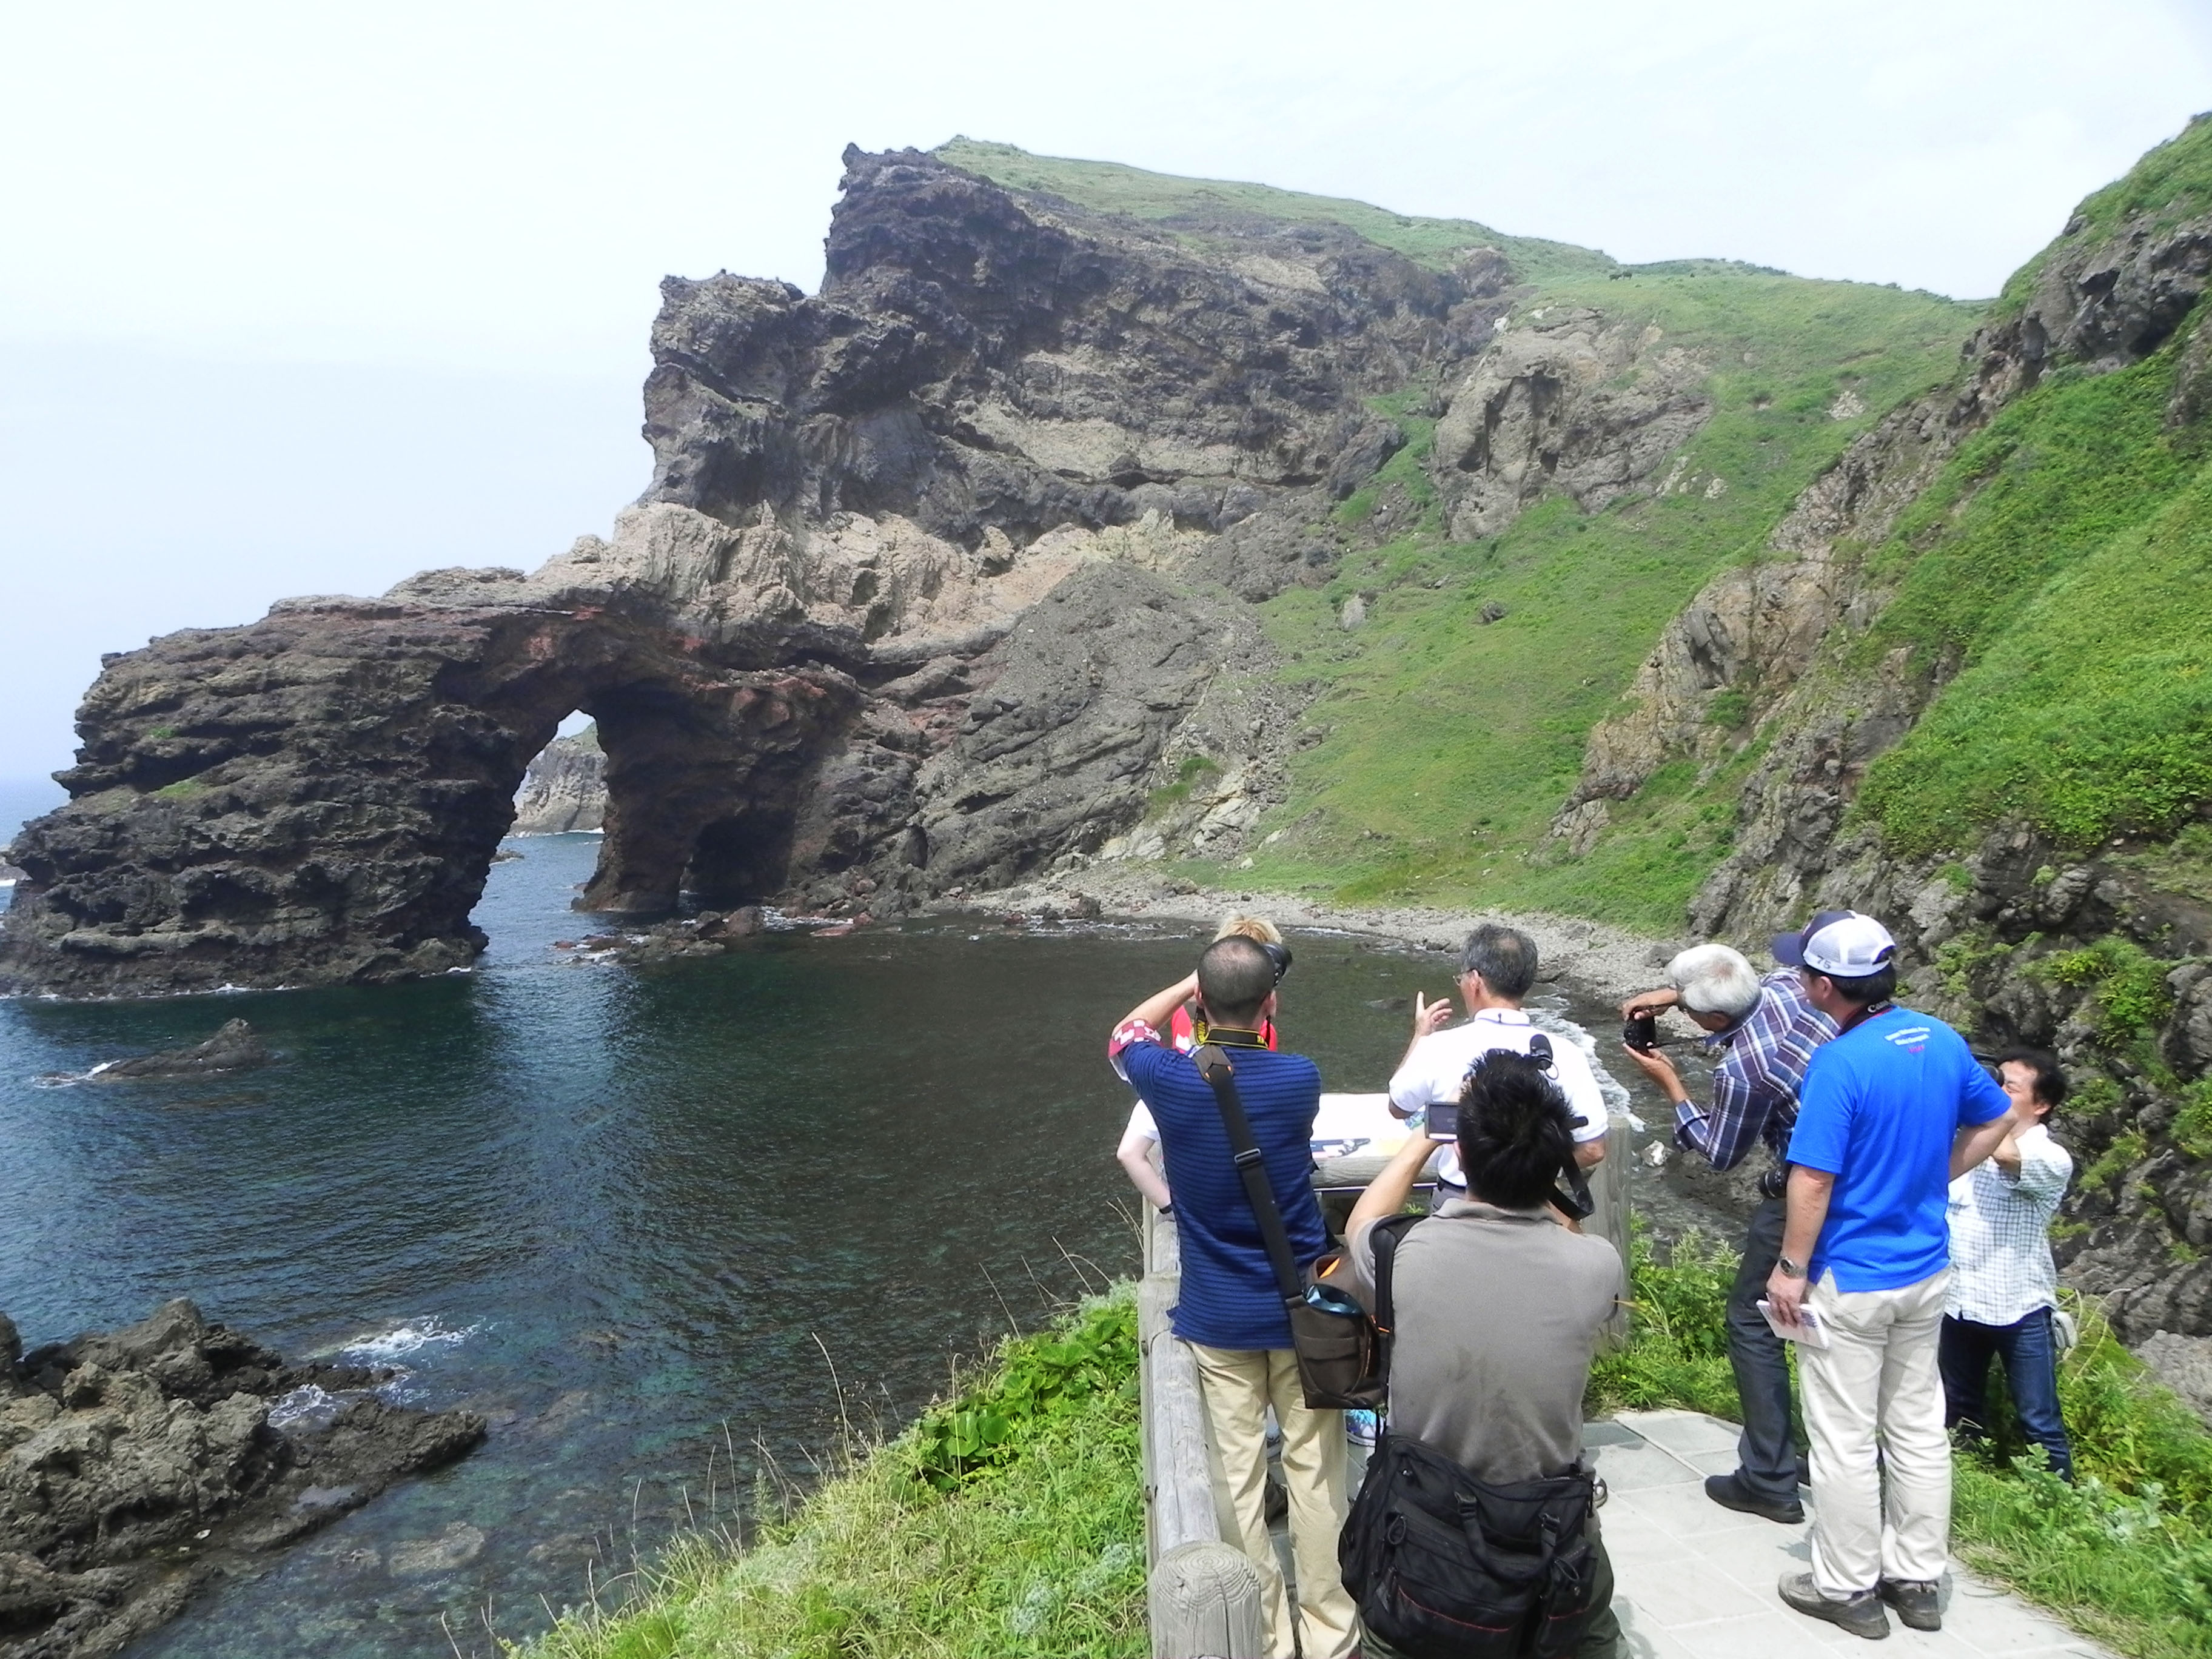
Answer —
1641 1033
1279 958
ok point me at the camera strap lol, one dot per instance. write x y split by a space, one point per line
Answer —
1251 1168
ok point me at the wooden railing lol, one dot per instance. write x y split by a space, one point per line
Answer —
1203 1595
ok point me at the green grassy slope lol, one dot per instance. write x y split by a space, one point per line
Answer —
2087 709
2062 558
1450 744
2172 183
1109 187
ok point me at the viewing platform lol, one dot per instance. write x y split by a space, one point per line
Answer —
1691 1580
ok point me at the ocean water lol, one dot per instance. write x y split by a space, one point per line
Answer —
651 1223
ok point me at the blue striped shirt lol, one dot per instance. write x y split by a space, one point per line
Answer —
1230 1298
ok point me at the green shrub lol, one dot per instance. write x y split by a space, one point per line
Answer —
1041 1552
1727 709
1677 1350
1036 1378
2192 1125
2129 996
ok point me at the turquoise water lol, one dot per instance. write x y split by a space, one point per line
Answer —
633 1218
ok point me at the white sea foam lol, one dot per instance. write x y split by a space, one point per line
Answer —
1617 1098
412 1337
307 1407
68 1079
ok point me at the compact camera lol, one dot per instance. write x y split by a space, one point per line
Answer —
1641 1033
1444 1120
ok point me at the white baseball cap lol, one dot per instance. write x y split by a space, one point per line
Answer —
1851 947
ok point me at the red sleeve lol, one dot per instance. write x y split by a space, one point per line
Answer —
1129 1031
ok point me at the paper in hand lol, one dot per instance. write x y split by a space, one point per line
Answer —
1809 1331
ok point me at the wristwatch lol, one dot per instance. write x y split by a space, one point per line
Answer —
1788 1268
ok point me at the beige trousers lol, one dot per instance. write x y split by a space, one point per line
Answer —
1238 1385
1886 1515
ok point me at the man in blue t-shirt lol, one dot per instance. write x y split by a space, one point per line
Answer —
1231 1311
1891 1109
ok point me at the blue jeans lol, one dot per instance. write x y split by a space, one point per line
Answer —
2030 1372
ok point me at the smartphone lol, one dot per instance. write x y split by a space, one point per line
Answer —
1444 1120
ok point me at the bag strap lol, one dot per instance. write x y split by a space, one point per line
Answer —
1384 1238
1221 1077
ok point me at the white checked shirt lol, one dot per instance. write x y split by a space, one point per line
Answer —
2001 1265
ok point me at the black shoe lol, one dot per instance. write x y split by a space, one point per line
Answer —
1861 1615
1728 1492
1277 1504
1915 1601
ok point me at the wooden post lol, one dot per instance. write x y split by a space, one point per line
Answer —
1608 1184
1203 1593
1204 1604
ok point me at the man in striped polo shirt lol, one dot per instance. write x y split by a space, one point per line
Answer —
1231 1311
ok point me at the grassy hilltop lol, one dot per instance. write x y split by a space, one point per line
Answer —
1450 744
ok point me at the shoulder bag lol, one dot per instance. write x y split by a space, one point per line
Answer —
1342 1354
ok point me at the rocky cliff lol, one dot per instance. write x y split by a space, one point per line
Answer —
564 789
905 606
137 1466
1960 688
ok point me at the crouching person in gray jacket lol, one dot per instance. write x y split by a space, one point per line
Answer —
1498 1308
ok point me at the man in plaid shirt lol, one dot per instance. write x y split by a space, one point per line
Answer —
1763 1034
2004 1286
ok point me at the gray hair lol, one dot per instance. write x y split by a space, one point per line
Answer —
1711 979
1504 956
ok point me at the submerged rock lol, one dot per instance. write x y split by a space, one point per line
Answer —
138 1464
234 1048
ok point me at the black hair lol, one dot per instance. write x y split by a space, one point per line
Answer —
2048 1085
1234 978
1504 956
1515 1133
1864 990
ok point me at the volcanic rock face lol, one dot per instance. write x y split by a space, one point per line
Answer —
905 607
1575 402
137 1465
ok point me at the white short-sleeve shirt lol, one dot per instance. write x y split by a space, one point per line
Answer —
1436 1072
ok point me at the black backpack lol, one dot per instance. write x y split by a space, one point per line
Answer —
1445 1567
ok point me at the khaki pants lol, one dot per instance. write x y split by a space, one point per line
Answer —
1239 1386
1887 1517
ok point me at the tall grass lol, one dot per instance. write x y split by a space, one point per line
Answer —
1010 1521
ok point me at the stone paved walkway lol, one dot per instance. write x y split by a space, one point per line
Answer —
1695 1581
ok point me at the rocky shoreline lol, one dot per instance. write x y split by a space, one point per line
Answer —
138 1466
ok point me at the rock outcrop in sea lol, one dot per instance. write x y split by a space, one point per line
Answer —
236 1047
139 1465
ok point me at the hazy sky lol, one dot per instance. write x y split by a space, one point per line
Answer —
302 299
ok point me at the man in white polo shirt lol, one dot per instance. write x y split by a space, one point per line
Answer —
1496 971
